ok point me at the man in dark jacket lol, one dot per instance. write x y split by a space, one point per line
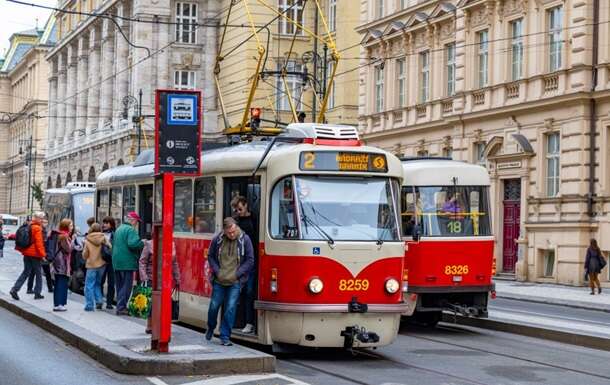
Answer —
231 258
126 248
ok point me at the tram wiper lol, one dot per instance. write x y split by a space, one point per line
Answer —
309 221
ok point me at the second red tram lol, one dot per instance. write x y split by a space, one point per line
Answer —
330 253
446 223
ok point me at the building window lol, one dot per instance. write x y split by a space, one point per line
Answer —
332 15
401 80
294 10
186 23
448 152
554 20
479 153
379 4
450 55
552 164
379 89
424 80
295 87
548 263
517 49
483 38
184 80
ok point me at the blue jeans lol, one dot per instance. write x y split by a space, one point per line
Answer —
250 297
93 287
227 296
124 283
60 294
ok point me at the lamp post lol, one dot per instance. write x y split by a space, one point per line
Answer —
28 163
129 101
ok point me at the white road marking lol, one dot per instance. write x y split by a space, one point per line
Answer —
234 380
156 381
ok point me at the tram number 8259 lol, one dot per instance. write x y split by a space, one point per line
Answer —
353 285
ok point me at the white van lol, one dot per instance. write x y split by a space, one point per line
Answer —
10 225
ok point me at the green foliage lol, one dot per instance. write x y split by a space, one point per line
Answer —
37 192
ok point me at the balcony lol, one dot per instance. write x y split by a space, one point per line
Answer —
421 110
551 83
512 90
447 106
478 98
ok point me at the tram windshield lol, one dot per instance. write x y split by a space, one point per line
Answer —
335 209
446 211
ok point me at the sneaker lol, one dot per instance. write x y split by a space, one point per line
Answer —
99 306
57 308
599 290
38 296
122 312
248 329
226 343
209 334
30 292
109 306
63 308
148 331
13 294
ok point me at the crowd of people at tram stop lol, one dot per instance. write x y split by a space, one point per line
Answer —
114 255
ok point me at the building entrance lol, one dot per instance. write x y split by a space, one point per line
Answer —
510 229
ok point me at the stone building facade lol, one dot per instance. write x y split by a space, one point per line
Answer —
239 67
23 118
99 66
519 86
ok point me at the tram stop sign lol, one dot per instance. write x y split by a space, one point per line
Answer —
178 132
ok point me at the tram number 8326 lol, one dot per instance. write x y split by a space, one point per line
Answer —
456 269
353 285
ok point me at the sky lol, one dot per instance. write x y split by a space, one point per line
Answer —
15 18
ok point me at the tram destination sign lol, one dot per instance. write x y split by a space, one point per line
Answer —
178 132
343 161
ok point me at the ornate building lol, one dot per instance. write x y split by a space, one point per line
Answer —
101 65
23 121
519 86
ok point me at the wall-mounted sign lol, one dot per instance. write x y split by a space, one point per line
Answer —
178 132
507 165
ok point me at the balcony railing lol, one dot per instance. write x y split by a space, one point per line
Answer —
512 90
421 110
447 106
478 98
551 83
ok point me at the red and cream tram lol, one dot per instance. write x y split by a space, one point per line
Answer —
330 263
446 223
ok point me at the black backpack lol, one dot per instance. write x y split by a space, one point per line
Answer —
51 246
23 236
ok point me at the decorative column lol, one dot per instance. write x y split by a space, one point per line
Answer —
81 86
93 95
107 64
60 101
71 94
52 121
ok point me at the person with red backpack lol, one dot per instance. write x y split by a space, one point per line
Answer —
29 241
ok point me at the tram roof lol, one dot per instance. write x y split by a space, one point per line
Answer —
241 157
69 191
440 172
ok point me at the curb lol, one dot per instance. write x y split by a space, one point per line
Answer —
585 340
555 301
122 360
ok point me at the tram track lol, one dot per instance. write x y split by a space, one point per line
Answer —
498 354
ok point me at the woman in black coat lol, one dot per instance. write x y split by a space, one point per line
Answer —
594 263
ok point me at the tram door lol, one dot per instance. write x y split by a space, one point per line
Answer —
250 189
146 208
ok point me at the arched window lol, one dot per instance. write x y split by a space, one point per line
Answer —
68 178
120 162
58 181
91 175
49 183
105 166
79 176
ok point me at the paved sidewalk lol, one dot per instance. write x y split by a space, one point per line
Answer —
120 342
554 294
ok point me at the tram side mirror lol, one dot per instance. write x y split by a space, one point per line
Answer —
416 233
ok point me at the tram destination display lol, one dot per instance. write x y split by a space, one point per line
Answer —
343 161
178 136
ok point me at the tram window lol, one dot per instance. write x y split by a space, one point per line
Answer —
205 205
129 199
116 200
283 224
408 211
102 204
183 207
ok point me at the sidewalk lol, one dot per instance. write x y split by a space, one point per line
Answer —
577 297
120 342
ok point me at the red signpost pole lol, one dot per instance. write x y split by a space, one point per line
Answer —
167 279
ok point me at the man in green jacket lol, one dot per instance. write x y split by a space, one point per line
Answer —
126 247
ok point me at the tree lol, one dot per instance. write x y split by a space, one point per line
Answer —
38 192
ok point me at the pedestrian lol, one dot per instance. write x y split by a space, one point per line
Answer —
247 223
95 264
594 263
231 259
32 256
90 221
44 264
62 263
145 267
1 238
108 228
126 249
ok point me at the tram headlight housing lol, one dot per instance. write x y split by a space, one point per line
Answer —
392 285
316 285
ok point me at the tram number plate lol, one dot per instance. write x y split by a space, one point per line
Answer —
456 269
353 285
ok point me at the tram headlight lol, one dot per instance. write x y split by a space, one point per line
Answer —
316 285
392 286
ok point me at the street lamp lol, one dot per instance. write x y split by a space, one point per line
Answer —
128 101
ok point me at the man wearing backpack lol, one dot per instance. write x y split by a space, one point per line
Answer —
29 241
